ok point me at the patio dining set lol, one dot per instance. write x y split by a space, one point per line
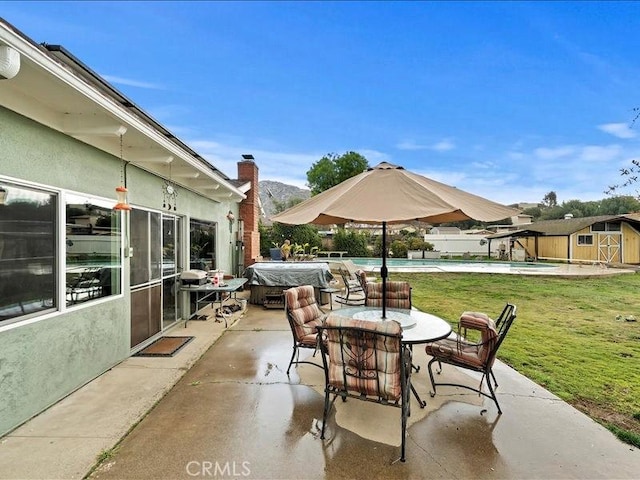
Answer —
367 355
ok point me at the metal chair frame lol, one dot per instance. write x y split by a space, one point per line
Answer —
358 342
352 286
502 324
297 342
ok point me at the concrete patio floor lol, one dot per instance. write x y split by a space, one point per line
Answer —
224 407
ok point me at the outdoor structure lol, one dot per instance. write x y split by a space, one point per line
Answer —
101 208
601 239
456 244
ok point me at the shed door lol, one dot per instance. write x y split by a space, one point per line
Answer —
609 247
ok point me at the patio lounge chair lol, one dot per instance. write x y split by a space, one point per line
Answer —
367 361
477 356
304 316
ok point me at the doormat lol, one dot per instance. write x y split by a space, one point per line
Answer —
164 347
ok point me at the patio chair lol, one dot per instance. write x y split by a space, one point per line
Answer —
398 295
354 293
478 356
355 271
367 361
304 316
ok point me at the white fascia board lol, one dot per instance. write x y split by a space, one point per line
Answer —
245 187
33 52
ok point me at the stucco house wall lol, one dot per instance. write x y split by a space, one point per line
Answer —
47 355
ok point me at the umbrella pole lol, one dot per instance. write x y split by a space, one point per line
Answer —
383 270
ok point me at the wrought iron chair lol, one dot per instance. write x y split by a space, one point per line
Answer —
478 356
304 316
398 295
367 361
354 293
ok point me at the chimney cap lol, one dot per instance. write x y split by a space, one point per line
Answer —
247 156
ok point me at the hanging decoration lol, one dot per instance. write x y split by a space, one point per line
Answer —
169 193
121 190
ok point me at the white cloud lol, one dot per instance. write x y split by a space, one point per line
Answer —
484 165
597 153
545 153
521 175
410 145
443 146
374 157
620 130
131 83
286 167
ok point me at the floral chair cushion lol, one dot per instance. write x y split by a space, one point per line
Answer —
361 361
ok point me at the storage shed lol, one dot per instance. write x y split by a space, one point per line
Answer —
601 239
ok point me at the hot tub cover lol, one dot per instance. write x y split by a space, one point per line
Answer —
279 274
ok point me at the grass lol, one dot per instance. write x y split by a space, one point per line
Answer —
576 337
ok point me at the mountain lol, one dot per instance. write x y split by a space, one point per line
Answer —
269 191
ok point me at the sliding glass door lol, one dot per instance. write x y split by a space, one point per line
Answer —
155 267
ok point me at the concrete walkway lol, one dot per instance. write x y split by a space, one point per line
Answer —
230 411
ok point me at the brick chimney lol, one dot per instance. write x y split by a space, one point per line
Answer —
250 210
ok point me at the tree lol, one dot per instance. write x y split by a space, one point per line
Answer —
275 235
333 169
550 200
619 205
281 206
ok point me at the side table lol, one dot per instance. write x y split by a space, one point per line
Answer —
330 291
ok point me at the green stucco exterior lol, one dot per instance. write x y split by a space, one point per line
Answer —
45 358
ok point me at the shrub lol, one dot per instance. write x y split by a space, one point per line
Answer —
398 248
352 242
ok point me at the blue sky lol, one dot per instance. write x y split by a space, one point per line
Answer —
508 100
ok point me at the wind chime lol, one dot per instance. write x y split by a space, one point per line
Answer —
169 193
121 191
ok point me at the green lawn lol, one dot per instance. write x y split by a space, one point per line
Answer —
572 335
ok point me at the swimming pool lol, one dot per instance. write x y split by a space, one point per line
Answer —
441 265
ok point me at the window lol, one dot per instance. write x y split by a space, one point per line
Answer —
585 240
606 227
203 245
92 249
27 251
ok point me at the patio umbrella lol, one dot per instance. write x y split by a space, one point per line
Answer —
389 194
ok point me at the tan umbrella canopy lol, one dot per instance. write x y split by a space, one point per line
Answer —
386 194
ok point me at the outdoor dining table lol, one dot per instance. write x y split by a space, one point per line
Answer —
417 327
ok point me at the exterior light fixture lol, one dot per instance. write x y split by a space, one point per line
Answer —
3 196
231 217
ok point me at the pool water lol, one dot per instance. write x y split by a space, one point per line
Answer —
426 265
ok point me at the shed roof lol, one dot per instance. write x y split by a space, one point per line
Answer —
566 226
